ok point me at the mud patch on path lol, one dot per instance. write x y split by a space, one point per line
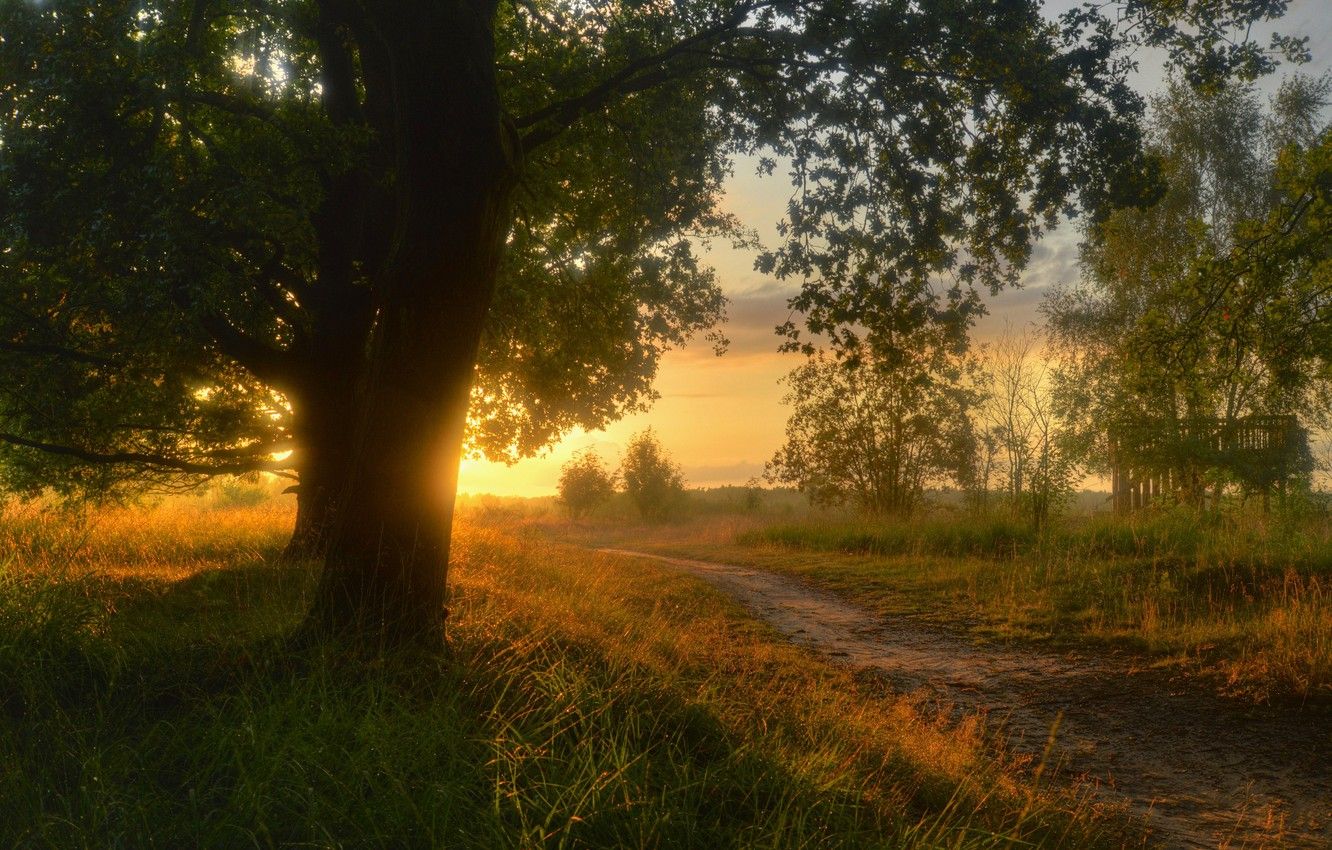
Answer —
1200 770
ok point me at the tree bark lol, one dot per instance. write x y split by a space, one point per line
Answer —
308 535
325 434
454 169
324 404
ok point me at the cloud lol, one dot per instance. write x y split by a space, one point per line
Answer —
1054 260
758 304
751 322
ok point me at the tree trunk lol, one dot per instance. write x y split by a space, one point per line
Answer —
314 516
385 566
324 404
325 430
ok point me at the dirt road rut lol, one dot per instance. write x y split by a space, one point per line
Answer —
1203 771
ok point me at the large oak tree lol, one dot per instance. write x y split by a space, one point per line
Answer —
235 228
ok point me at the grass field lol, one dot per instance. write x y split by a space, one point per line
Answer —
147 700
1245 603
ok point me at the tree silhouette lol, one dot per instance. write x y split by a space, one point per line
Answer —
237 228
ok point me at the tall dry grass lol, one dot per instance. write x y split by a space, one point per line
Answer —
172 537
149 700
1243 600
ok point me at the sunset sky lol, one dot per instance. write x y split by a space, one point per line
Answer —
722 417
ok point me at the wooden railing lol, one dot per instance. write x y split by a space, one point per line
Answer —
1153 459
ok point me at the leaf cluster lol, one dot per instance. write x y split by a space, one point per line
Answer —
875 434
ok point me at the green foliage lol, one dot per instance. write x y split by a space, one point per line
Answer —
115 255
585 483
202 206
875 432
1208 304
976 536
1160 536
652 479
1279 271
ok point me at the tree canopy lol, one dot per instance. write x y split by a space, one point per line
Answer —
652 478
585 483
1213 303
167 173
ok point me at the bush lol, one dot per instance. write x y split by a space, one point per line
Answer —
585 483
651 478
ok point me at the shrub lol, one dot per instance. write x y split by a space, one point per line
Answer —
585 483
651 478
241 492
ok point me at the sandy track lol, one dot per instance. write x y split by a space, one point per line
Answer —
1202 771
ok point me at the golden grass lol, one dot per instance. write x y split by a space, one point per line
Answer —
171 539
1245 604
591 702
834 733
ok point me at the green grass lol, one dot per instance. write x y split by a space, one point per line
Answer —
934 536
149 701
1245 603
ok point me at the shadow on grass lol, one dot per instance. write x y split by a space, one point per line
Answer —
148 713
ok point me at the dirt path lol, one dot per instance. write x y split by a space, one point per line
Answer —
1202 771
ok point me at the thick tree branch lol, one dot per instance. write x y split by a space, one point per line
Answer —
38 350
271 365
232 104
275 280
196 24
339 78
643 73
1250 256
276 274
250 450
151 461
237 106
274 366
